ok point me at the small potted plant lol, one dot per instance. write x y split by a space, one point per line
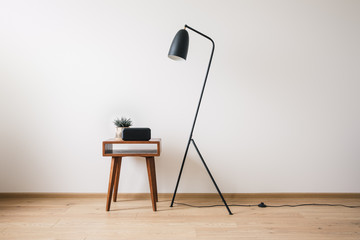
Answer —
120 125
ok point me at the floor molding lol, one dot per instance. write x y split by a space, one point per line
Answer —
178 195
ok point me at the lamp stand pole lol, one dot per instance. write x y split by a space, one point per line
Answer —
191 140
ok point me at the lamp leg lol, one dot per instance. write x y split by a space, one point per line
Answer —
207 169
181 169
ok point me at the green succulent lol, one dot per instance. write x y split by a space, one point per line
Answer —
123 122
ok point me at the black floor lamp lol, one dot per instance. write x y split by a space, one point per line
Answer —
178 51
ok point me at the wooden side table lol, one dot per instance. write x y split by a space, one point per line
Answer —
110 150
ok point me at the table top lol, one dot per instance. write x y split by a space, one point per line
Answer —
120 141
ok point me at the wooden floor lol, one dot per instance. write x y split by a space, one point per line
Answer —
132 218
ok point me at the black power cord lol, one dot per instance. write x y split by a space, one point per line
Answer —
263 205
207 206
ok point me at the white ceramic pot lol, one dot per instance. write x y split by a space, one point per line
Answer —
118 132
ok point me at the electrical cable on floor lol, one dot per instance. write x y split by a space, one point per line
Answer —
263 205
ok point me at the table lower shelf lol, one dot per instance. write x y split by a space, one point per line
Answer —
131 152
120 148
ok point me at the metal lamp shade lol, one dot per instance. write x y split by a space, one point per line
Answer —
180 45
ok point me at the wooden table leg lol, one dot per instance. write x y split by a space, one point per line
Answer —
111 182
117 176
154 180
151 174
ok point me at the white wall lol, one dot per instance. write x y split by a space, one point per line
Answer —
280 112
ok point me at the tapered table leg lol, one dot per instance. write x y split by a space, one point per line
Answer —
111 182
150 163
117 176
154 180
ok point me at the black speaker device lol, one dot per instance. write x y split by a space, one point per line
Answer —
136 134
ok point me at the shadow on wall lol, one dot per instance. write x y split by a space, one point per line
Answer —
194 175
18 171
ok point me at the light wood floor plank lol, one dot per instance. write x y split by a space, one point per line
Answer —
133 218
